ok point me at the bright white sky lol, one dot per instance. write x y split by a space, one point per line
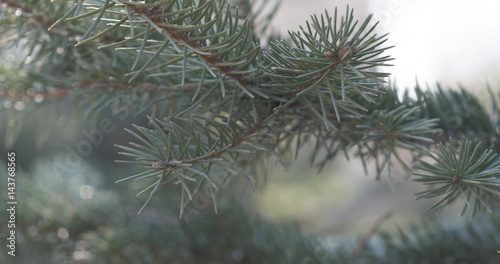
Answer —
451 42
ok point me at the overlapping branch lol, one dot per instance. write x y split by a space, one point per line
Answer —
184 54
156 16
190 150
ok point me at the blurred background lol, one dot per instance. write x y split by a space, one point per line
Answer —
454 43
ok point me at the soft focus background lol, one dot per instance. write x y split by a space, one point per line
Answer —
455 43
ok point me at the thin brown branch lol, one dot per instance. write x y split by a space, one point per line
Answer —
166 164
344 54
183 38
30 94
373 229
41 19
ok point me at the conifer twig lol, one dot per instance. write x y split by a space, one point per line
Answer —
373 229
185 40
61 92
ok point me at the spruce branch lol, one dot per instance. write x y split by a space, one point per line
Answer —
222 101
462 116
180 150
385 131
205 30
446 242
461 171
28 17
328 58
175 58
